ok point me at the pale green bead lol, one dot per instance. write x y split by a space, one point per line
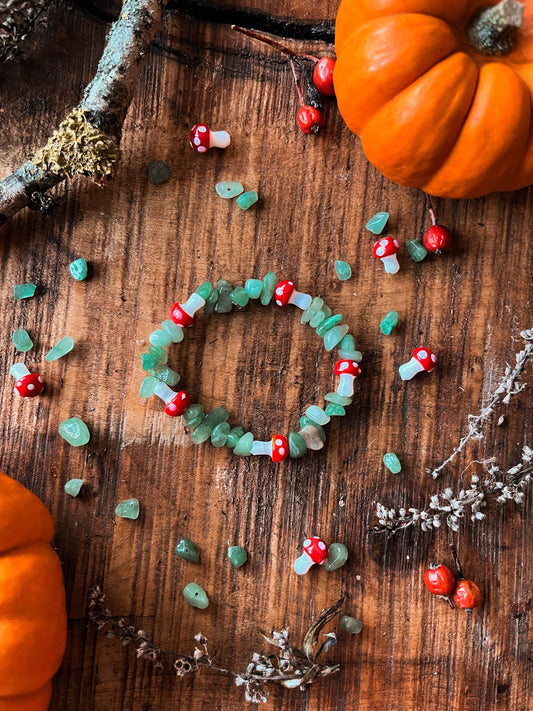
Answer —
247 199
234 436
244 445
196 596
357 356
224 303
338 399
328 323
334 336
350 624
220 433
334 410
160 338
376 224
239 296
78 269
193 415
343 270
315 306
417 251
165 375
187 550
159 353
237 555
391 461
229 188
21 340
129 508
269 285
297 445
253 288
174 331
308 421
317 414
73 486
24 291
147 386
75 432
348 343
61 348
311 437
337 557
216 416
210 302
322 315
201 433
388 324
204 289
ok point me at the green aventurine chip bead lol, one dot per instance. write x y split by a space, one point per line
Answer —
239 296
193 415
159 353
215 416
158 172
391 461
234 436
75 432
149 361
338 399
328 323
417 251
223 304
196 596
160 338
24 291
61 348
229 188
237 555
308 421
343 270
244 445
357 356
147 386
78 269
21 340
389 323
204 290
253 288
334 410
269 284
165 374
187 550
350 624
73 486
312 309
201 433
129 508
348 343
174 331
210 302
337 557
247 199
297 445
220 434
376 224
334 336
317 414
322 315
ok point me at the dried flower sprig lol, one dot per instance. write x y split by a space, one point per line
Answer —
509 385
290 666
18 18
450 508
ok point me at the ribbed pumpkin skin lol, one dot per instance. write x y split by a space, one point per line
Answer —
430 111
33 619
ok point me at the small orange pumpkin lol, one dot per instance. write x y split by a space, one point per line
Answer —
33 620
431 110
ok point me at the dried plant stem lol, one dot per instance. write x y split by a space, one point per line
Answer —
102 109
272 43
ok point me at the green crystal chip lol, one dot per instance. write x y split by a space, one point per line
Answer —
337 557
204 289
129 508
196 596
239 296
308 421
78 269
234 436
24 291
244 445
75 432
158 172
338 399
160 338
343 270
210 302
328 323
321 315
73 486
193 415
316 304
269 284
202 433
417 251
187 550
376 224
174 331
253 288
247 199
334 336
220 434
317 415
297 445
61 348
229 188
357 356
159 353
391 461
21 340
147 386
165 374
224 303
389 323
237 555
215 416
348 343
334 410
350 624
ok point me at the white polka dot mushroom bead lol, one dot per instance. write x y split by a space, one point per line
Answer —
202 138
348 371
423 359
175 403
183 314
285 293
315 553
28 384
277 448
385 249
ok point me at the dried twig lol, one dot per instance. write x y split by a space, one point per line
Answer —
87 141
18 18
291 667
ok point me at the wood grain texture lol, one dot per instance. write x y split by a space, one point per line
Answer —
149 245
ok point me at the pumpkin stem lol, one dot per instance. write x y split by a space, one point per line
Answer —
492 30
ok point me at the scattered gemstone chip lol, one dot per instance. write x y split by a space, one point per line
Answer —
75 432
376 224
196 596
78 269
417 251
129 508
337 557
147 386
61 348
246 200
237 555
73 486
350 624
389 323
24 291
391 461
187 550
343 270
229 189
158 172
21 340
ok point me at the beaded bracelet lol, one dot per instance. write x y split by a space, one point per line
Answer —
214 425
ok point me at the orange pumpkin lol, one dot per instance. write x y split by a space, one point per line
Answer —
33 618
433 112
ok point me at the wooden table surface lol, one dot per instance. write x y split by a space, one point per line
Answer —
149 245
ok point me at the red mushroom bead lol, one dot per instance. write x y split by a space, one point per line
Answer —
178 404
385 249
29 385
285 293
315 553
423 359
202 138
183 314
348 370
277 448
